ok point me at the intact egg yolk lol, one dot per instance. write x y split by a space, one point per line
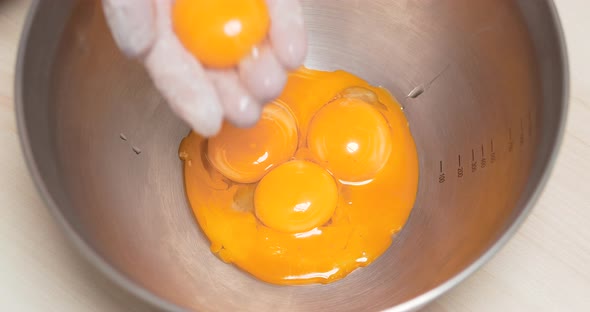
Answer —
296 196
351 138
244 155
220 33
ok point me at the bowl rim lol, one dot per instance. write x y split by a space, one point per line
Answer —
125 283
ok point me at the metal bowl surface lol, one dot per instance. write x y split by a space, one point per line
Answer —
483 84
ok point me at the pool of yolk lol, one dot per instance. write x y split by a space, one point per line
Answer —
239 220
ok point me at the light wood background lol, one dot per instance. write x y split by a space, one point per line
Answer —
545 267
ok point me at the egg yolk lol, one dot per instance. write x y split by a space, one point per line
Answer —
220 33
317 189
245 154
296 197
351 138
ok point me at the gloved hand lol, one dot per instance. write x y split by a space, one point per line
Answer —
203 97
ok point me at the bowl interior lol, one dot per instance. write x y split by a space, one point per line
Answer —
491 79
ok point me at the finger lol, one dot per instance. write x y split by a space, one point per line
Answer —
181 79
132 25
239 107
287 32
262 74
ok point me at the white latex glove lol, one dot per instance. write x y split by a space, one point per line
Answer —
203 97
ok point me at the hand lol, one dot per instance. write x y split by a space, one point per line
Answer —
201 96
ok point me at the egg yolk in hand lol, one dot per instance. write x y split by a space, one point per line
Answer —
220 33
312 192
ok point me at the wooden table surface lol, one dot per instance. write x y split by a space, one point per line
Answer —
545 267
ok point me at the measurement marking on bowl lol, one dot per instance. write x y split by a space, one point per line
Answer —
492 153
136 150
473 161
122 136
484 161
487 155
441 177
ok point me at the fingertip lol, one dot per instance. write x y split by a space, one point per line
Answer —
292 52
200 110
203 118
205 122
239 107
287 32
263 75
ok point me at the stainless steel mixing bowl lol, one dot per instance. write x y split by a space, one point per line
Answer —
483 84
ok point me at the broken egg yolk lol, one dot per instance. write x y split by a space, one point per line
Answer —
244 155
315 190
220 33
